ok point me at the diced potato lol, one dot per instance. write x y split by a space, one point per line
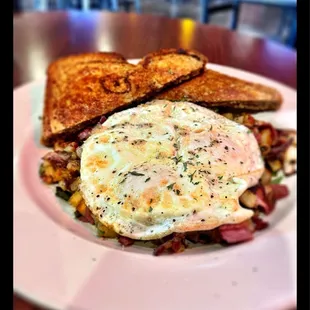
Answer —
81 207
51 175
248 120
266 177
238 119
266 137
106 232
74 186
73 165
248 199
275 165
290 160
228 115
69 147
75 199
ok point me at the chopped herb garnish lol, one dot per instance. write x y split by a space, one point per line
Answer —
65 195
277 180
170 186
136 173
177 145
191 176
178 192
41 170
147 180
150 209
185 166
177 159
220 177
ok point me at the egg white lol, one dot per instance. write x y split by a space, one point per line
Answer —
166 167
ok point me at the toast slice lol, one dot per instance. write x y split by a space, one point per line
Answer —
212 89
82 88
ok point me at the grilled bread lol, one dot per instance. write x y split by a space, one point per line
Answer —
82 88
216 90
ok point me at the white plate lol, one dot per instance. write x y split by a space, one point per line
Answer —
58 263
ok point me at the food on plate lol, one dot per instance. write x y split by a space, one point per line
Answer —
82 88
217 90
173 172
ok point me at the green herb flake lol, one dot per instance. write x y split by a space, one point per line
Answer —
220 177
136 173
191 176
150 209
277 180
185 166
177 159
41 170
100 233
65 195
147 180
170 187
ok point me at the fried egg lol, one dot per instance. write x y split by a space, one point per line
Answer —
166 167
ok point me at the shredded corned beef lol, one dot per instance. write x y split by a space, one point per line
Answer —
125 241
235 233
57 159
259 223
83 135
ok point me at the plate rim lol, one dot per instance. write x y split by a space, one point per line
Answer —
36 299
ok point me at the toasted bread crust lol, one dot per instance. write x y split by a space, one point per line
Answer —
71 60
82 88
215 90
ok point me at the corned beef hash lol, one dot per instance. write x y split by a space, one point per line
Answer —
173 173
